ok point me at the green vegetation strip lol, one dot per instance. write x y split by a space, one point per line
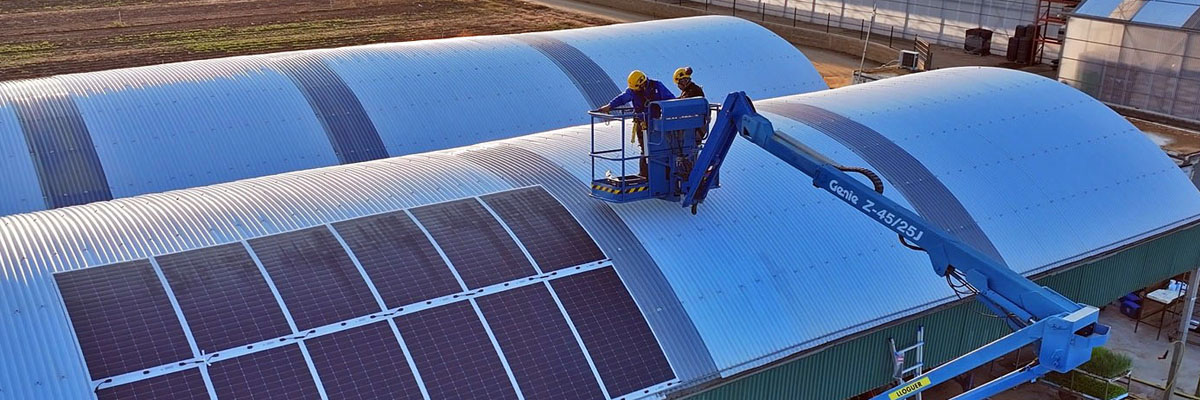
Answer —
15 48
226 39
1087 384
1107 363
21 51
1095 381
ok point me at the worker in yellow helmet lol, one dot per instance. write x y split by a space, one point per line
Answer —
687 87
641 92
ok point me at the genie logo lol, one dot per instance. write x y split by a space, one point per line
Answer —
842 192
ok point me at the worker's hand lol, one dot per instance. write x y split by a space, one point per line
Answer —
603 109
633 137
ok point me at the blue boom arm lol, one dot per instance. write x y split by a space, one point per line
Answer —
1063 331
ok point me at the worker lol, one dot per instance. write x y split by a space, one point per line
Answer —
642 91
687 87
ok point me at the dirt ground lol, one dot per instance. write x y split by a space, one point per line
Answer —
48 37
837 68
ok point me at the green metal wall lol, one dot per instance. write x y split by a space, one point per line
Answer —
862 363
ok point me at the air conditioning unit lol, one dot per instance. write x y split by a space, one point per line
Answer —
908 60
978 41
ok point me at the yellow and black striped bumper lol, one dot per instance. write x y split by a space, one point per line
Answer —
619 191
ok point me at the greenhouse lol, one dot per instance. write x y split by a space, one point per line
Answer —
1137 54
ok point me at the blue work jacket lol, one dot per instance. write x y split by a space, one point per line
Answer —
655 91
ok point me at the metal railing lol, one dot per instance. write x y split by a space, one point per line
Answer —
619 115
807 13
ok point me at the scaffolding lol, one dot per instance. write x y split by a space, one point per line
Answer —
1051 23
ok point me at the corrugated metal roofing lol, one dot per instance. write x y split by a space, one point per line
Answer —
196 123
1168 13
769 267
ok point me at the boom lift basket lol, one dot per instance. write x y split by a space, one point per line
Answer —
674 130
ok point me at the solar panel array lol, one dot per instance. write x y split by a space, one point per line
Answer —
492 297
224 297
279 373
366 362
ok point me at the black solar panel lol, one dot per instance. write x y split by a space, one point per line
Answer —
224 297
616 335
536 340
185 385
402 263
278 373
551 235
315 277
454 355
123 318
480 249
363 363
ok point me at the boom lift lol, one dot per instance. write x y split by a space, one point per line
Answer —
1063 331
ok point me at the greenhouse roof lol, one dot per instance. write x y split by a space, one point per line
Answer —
1172 13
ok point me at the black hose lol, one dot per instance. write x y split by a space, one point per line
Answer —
878 183
867 173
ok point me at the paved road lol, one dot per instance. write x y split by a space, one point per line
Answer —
619 15
834 67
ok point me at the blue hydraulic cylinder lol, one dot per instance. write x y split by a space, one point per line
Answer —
736 114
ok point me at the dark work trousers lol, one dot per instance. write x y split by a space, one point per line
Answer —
643 168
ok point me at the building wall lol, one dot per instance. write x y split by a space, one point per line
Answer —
856 365
1149 68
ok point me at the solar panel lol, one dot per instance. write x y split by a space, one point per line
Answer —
454 354
185 385
538 343
402 263
316 278
224 297
551 235
478 246
278 373
363 363
616 335
123 318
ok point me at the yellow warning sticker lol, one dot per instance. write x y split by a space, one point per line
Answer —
909 389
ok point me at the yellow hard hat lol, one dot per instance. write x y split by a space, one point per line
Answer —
683 73
637 79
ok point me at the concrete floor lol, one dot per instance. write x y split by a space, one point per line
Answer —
1142 346
837 68
1146 351
585 8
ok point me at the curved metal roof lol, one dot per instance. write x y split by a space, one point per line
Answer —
769 267
75 139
